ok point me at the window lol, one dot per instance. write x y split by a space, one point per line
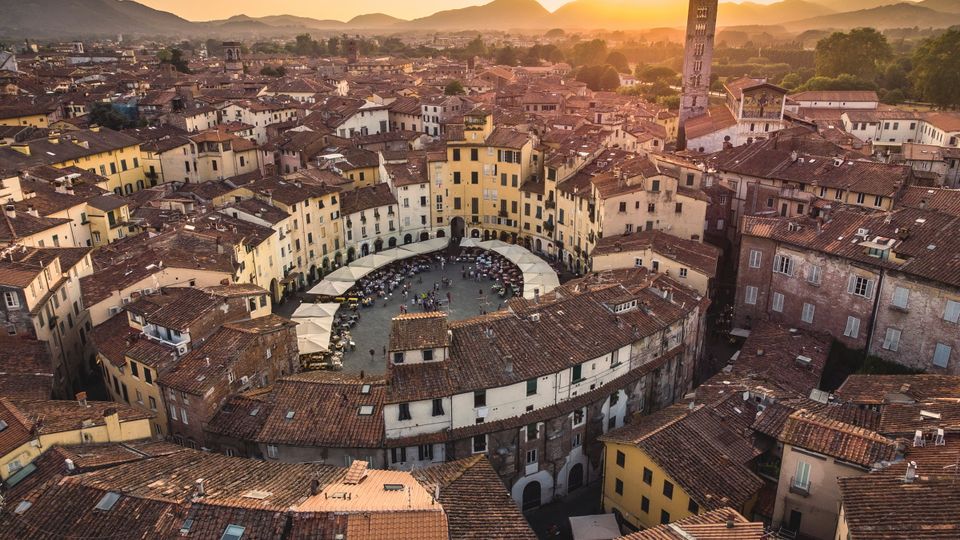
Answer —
531 456
815 275
533 432
531 387
480 398
428 355
398 357
233 532
667 489
750 297
398 455
951 313
456 154
577 373
683 272
755 258
183 415
474 154
901 297
678 208
405 411
425 452
438 407
623 207
941 355
621 459
645 504
579 417
173 410
777 302
577 440
852 329
664 517
11 299
783 264
891 341
802 479
693 507
647 476
860 286
134 370
479 444
618 486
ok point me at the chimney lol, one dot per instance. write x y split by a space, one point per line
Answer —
82 398
729 523
911 472
95 128
22 148
32 211
201 492
69 465
508 364
314 487
10 209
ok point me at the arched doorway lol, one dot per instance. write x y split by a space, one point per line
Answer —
475 233
337 258
531 496
326 264
457 227
377 245
504 236
486 235
407 238
539 245
351 253
364 250
441 233
392 242
424 236
313 273
575 480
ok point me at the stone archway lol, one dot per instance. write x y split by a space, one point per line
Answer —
457 227
392 242
377 245
407 238
276 291
531 496
475 233
575 478
364 250
424 236
441 233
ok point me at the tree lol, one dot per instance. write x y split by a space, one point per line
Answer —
791 81
936 69
843 82
507 56
619 61
270 71
600 77
589 53
555 33
454 88
609 78
860 53
476 47
175 58
103 114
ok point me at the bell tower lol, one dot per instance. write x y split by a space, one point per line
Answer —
697 56
232 60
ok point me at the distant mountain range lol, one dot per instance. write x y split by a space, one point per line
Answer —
64 19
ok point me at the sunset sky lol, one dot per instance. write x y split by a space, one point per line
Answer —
199 10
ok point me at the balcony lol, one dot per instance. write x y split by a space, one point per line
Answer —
802 489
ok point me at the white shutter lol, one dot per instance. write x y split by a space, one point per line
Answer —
852 284
951 312
891 341
869 293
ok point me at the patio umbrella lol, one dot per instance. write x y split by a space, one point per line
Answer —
314 325
316 310
398 253
348 273
332 288
491 244
469 242
373 261
313 343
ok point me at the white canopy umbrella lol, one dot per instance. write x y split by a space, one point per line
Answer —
530 267
525 257
398 253
491 244
348 273
540 280
373 261
314 325
510 251
596 527
332 288
469 242
313 343
437 243
316 310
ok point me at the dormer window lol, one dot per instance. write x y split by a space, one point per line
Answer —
428 355
398 357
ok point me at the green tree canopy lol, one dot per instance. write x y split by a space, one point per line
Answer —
507 56
619 61
454 88
861 53
175 58
589 53
936 69
601 77
103 114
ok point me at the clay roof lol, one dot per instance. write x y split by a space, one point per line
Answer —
842 441
939 199
696 255
26 368
418 331
721 524
880 389
366 198
706 450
